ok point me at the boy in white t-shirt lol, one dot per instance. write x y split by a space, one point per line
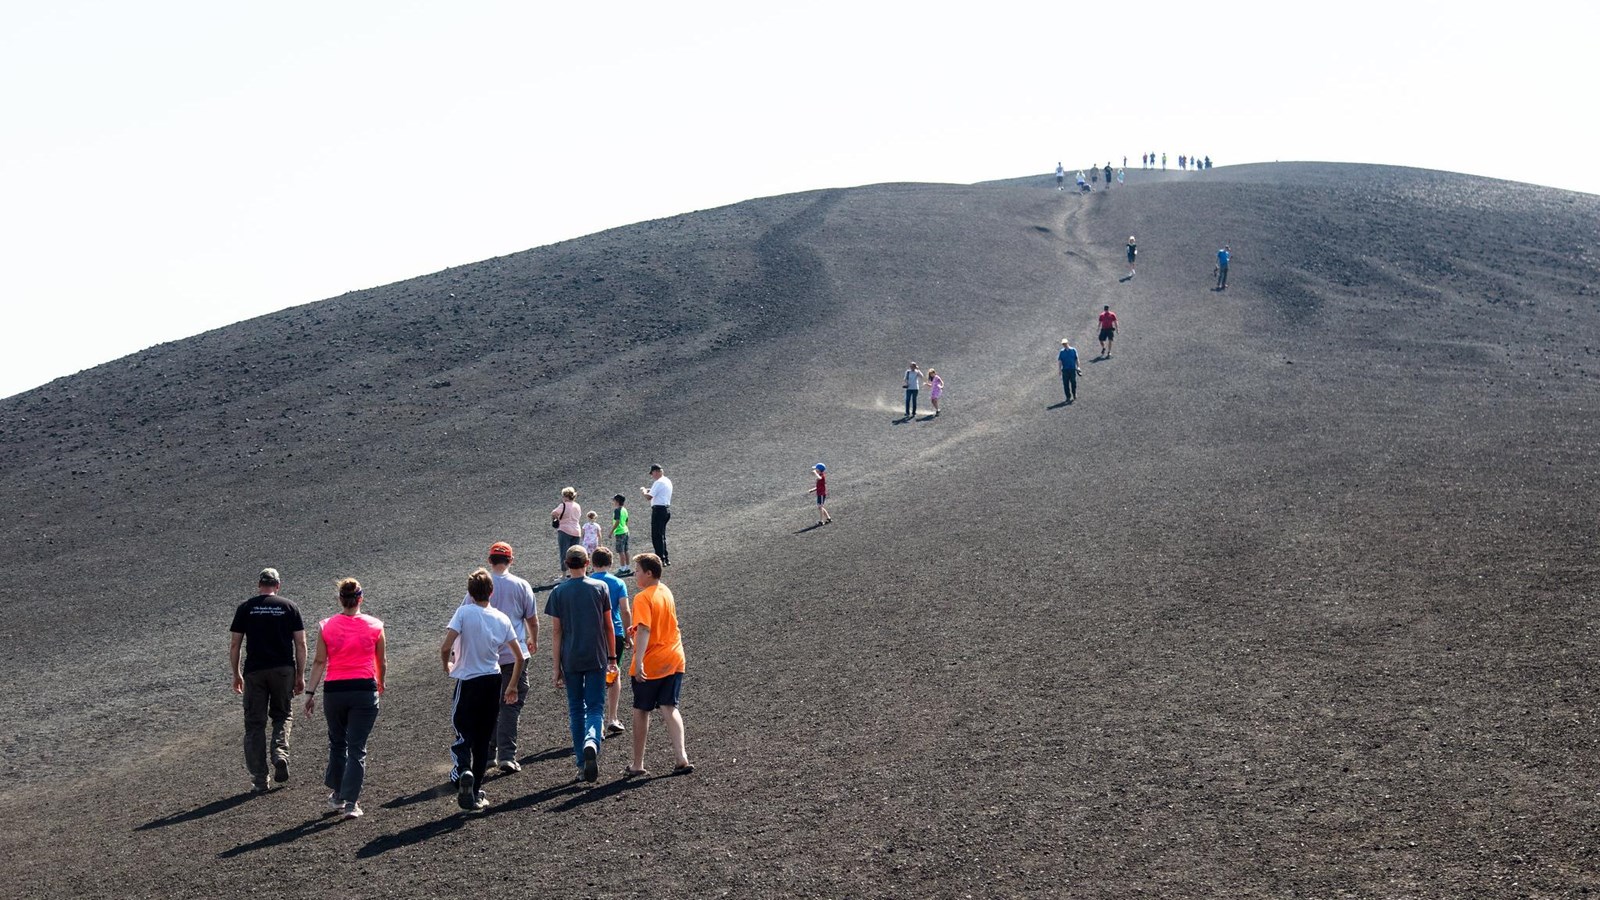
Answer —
482 632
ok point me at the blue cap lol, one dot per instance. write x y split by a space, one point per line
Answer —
820 467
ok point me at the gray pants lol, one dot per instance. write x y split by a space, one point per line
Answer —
504 739
268 694
350 715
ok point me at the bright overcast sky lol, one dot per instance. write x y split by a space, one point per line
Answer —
171 166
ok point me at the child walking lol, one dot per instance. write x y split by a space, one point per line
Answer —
619 532
591 533
935 389
821 490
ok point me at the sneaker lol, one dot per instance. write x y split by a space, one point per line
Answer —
625 571
353 810
259 787
510 766
466 795
481 802
614 727
280 770
591 762
334 803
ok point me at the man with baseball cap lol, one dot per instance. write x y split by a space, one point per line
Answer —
1067 359
273 636
514 597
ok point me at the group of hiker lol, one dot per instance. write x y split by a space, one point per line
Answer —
597 631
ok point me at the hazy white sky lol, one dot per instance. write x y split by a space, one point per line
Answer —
171 166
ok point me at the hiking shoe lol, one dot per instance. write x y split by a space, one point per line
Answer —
591 762
510 766
466 795
280 770
353 810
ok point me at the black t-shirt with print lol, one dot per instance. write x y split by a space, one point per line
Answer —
268 623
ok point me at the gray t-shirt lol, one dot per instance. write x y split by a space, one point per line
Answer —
584 607
913 379
514 597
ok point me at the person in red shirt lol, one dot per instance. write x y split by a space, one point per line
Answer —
1108 331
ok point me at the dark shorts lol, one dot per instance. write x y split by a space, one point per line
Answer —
619 543
657 692
1107 334
821 499
622 651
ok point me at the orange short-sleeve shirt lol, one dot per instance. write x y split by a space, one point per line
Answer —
654 608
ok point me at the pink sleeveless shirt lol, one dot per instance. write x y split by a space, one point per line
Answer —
351 642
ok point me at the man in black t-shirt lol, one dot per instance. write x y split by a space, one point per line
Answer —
273 636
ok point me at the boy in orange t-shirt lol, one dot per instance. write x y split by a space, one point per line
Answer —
657 663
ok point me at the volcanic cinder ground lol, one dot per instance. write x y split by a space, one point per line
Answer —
1298 600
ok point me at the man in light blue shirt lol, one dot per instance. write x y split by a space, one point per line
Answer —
1068 359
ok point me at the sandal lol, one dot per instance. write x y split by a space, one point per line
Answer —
683 769
631 772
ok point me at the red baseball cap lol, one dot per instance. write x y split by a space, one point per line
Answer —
501 548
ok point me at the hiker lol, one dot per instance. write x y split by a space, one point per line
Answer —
479 634
515 598
1222 268
564 519
1108 331
351 656
914 386
1067 359
658 666
585 651
820 488
272 635
660 494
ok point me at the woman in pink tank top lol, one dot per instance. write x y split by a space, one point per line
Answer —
350 653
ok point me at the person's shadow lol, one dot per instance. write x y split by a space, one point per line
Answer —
199 812
286 836
1098 359
1125 279
1059 404
812 527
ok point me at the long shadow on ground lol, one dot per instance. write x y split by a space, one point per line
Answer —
199 812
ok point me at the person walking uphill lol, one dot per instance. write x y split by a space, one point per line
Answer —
585 651
1222 269
514 597
1068 360
483 633
658 666
660 494
270 631
351 654
565 520
913 387
1108 331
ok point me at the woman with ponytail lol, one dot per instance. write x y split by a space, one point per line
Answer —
350 654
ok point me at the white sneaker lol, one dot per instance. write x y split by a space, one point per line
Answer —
334 803
353 810
510 766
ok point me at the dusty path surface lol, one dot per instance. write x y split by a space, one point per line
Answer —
1297 600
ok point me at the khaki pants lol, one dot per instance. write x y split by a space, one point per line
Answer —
268 694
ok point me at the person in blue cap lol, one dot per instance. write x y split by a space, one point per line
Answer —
821 490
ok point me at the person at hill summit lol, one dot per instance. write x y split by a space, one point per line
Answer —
515 598
479 634
585 651
270 631
351 654
1067 359
913 387
658 666
1061 175
1108 174
1108 331
660 494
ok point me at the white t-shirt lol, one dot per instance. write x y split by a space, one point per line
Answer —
913 379
661 492
484 630
513 596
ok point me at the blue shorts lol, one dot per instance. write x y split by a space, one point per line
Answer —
821 499
657 692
